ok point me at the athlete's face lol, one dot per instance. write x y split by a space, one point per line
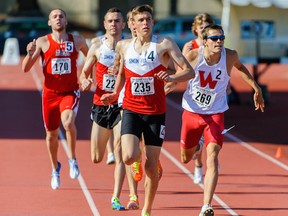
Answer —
200 27
143 23
130 25
114 23
57 20
215 40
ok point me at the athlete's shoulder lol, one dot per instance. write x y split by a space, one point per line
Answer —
123 44
231 54
77 37
97 39
125 41
42 41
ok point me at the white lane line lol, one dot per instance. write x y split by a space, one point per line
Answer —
80 179
256 151
191 176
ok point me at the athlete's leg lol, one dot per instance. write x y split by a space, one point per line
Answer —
152 177
130 148
110 150
68 121
119 171
52 146
99 139
211 176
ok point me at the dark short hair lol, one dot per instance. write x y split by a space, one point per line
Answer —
211 27
58 9
114 10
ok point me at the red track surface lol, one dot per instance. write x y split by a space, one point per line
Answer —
252 180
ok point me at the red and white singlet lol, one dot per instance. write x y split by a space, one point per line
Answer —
206 93
144 93
105 82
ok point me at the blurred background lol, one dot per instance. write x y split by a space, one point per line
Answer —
255 28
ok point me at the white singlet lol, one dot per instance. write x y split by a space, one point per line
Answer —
206 93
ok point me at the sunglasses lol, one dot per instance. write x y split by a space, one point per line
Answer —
216 38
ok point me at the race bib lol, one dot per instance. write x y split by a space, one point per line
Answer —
61 66
142 86
203 97
69 46
108 82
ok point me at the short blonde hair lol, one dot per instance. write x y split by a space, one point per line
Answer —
141 9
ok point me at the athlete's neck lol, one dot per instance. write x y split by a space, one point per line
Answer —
143 41
212 58
59 37
111 40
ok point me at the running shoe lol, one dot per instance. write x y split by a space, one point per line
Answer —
160 170
198 151
74 169
133 203
146 214
207 210
55 180
198 175
116 205
137 171
110 158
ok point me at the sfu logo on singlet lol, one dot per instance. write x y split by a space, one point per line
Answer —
208 81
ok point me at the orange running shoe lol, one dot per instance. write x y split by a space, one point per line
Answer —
133 203
160 170
137 171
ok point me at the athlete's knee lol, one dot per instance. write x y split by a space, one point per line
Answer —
131 157
51 137
128 160
68 125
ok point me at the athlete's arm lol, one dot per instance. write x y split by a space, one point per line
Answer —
33 52
120 81
245 74
81 42
85 78
184 70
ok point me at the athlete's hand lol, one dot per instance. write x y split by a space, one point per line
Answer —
86 84
259 101
31 47
163 75
112 70
109 98
169 87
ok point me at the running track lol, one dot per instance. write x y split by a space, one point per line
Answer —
252 180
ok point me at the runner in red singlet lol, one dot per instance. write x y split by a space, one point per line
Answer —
106 119
60 96
144 104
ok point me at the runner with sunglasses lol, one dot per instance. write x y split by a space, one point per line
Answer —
200 22
205 102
